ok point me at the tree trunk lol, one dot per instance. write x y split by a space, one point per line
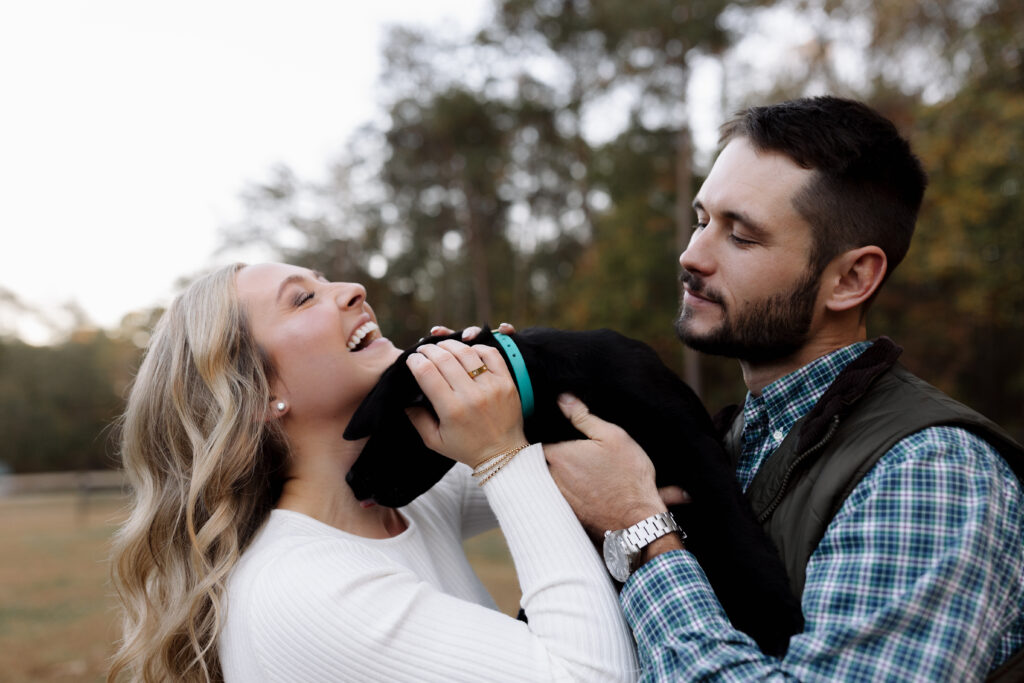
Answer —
477 250
684 228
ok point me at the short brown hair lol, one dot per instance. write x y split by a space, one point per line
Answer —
868 184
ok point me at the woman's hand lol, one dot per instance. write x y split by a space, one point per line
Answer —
478 416
470 333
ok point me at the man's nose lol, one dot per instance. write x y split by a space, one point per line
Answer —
697 257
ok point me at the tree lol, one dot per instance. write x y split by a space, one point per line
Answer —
950 74
616 46
56 403
958 300
486 170
447 159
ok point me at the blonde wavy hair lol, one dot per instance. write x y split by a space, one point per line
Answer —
205 468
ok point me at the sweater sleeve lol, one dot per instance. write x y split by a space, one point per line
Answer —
343 611
476 513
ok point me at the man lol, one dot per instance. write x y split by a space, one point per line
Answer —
896 509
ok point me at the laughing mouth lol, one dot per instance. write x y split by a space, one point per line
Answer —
364 335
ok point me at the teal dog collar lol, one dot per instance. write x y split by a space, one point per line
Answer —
519 371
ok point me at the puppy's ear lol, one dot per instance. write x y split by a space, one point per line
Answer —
394 392
382 400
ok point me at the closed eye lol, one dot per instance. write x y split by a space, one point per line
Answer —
302 298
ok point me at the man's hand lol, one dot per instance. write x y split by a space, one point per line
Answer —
607 478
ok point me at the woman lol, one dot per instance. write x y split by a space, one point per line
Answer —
246 556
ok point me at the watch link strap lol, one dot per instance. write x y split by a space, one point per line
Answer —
648 530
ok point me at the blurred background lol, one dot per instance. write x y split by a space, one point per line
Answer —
468 161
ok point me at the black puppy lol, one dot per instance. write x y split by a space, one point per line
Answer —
623 381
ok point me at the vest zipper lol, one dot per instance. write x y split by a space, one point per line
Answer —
792 468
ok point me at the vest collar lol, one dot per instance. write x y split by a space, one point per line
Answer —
849 386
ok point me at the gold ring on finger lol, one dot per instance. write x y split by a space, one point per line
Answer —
473 374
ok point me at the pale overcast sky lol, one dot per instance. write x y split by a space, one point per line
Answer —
128 128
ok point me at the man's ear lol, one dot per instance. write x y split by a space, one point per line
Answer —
853 277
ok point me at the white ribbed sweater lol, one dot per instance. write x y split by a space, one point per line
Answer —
309 602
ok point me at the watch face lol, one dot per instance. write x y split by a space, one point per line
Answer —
615 557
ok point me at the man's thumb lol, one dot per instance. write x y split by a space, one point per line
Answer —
577 412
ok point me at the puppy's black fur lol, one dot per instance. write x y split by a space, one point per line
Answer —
623 381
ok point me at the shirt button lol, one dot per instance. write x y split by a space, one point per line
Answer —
778 435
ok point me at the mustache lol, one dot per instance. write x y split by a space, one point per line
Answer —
696 284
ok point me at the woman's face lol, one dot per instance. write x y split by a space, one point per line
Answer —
321 337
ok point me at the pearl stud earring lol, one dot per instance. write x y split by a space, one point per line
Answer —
280 405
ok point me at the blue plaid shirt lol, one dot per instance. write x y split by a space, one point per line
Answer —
920 575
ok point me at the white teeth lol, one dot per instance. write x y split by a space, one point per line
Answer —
362 331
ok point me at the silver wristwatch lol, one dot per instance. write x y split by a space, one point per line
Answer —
622 547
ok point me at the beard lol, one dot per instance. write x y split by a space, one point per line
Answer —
766 330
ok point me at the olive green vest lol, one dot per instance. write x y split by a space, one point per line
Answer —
873 403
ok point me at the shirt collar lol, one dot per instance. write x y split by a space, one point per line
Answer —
789 398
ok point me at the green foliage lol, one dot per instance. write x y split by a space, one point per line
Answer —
448 157
480 198
56 403
957 302
631 259
494 204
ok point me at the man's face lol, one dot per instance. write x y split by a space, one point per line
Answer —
748 289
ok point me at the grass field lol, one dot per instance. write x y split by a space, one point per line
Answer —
57 613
